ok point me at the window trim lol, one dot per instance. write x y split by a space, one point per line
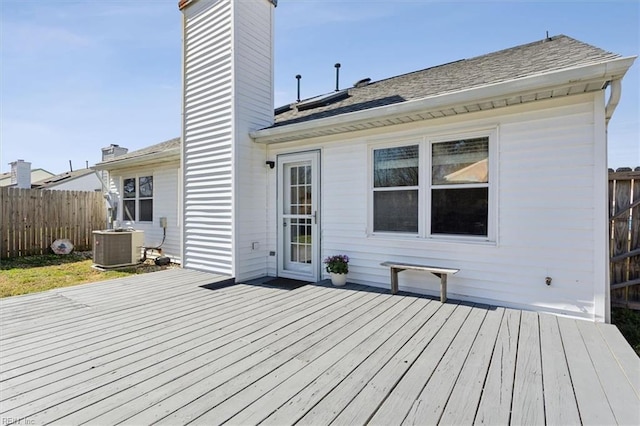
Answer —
137 197
425 143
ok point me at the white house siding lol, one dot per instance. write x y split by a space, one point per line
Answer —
207 137
253 110
166 178
548 177
88 182
227 94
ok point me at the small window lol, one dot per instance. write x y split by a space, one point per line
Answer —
129 204
138 199
460 187
145 199
395 189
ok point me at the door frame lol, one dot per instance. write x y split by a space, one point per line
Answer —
314 157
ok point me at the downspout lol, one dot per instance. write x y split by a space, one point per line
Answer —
107 195
614 98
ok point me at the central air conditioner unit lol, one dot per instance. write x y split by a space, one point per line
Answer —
117 248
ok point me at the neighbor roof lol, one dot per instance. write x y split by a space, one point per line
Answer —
554 53
53 181
160 150
5 178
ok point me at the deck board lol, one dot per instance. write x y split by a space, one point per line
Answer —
591 398
559 398
327 368
351 371
465 396
528 400
150 360
179 346
619 391
396 405
623 353
495 403
148 393
429 405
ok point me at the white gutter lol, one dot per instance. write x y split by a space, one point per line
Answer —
614 98
162 156
610 70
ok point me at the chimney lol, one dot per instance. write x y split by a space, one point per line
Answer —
21 174
113 151
110 153
233 41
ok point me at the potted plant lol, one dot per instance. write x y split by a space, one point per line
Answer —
337 266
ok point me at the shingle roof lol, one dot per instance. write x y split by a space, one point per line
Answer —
61 178
165 146
555 53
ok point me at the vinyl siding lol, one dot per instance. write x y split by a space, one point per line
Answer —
548 216
253 110
228 85
89 182
207 137
166 181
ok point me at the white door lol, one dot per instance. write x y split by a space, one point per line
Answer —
298 216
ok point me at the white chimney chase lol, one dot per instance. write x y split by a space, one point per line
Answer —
21 174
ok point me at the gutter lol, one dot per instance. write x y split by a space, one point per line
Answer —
168 155
610 70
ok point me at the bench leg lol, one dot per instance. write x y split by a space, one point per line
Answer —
443 288
394 280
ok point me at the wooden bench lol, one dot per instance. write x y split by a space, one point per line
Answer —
441 273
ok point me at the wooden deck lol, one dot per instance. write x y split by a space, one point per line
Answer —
160 348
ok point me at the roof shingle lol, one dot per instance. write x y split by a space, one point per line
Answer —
551 54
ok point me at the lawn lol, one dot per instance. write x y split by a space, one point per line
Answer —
38 273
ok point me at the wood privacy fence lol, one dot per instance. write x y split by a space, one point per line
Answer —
32 219
624 208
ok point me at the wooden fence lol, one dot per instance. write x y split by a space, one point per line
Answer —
624 208
32 219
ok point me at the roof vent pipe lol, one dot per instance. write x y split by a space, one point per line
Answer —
337 76
362 83
298 77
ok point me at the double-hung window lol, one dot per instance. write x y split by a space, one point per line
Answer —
460 187
446 191
138 199
396 189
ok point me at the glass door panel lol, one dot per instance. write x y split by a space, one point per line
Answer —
298 216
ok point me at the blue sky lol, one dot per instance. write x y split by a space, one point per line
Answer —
78 75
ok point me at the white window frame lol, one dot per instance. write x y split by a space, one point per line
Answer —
137 198
417 187
425 144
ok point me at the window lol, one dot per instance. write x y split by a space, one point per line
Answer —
138 199
451 199
395 189
460 187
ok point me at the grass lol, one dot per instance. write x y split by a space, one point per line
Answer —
38 273
628 322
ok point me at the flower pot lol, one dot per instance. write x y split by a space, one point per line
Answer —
338 279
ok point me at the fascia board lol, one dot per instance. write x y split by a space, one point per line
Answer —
147 159
613 69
